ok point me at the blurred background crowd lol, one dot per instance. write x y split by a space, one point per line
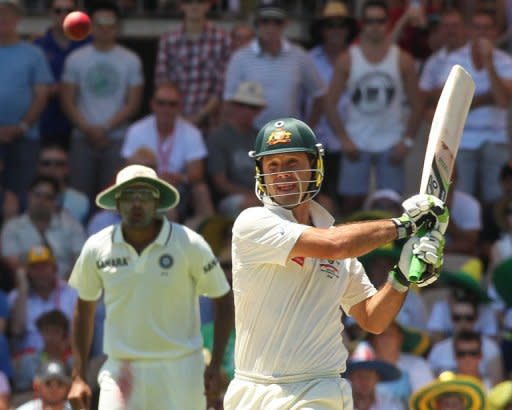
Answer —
188 101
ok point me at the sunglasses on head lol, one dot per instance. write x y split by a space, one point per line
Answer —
472 353
468 318
166 103
61 10
53 162
382 20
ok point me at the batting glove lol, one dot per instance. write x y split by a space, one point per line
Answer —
421 211
429 249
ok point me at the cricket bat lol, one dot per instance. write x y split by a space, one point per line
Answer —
443 143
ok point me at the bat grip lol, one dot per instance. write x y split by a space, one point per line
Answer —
417 267
416 270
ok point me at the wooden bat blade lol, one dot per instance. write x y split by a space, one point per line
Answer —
446 131
443 143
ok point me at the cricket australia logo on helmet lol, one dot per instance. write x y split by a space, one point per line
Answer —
288 135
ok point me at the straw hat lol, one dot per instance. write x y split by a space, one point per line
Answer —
334 10
470 389
250 93
169 196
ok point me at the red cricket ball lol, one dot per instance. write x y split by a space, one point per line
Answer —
77 25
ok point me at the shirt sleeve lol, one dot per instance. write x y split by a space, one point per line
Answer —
84 276
313 83
71 72
359 286
135 76
209 276
10 241
261 237
233 75
42 73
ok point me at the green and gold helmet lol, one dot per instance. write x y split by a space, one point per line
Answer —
287 135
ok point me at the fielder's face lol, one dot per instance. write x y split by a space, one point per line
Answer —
137 205
364 382
287 177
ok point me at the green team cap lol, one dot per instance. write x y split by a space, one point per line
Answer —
284 135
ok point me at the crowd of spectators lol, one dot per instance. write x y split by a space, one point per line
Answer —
71 116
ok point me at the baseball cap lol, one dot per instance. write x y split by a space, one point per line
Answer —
40 254
54 370
271 9
14 3
250 93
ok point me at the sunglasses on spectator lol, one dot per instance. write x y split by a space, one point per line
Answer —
244 105
53 162
269 20
194 1
468 318
472 353
106 21
166 103
143 195
335 24
61 10
55 383
44 195
382 20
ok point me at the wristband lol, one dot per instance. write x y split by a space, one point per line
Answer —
404 226
394 279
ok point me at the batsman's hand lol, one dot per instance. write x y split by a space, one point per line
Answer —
79 395
421 211
429 248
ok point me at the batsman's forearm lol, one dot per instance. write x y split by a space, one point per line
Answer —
81 336
382 309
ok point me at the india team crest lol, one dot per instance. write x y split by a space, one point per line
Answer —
279 136
166 261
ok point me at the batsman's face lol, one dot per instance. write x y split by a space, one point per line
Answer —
137 205
287 176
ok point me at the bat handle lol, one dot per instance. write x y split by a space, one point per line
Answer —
417 267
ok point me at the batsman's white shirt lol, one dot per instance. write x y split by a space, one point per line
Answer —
288 317
151 299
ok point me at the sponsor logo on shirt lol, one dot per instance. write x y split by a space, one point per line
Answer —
299 260
330 269
210 265
112 263
166 261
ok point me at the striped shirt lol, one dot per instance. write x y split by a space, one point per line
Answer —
285 78
195 65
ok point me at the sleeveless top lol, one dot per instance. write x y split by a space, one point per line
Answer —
375 97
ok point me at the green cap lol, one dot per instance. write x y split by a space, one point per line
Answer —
284 135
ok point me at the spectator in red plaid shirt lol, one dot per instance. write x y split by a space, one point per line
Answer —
194 58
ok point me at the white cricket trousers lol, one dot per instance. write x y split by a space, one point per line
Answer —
330 393
154 384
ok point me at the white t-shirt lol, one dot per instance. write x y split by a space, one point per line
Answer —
488 122
440 319
184 145
288 318
151 299
442 356
103 79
